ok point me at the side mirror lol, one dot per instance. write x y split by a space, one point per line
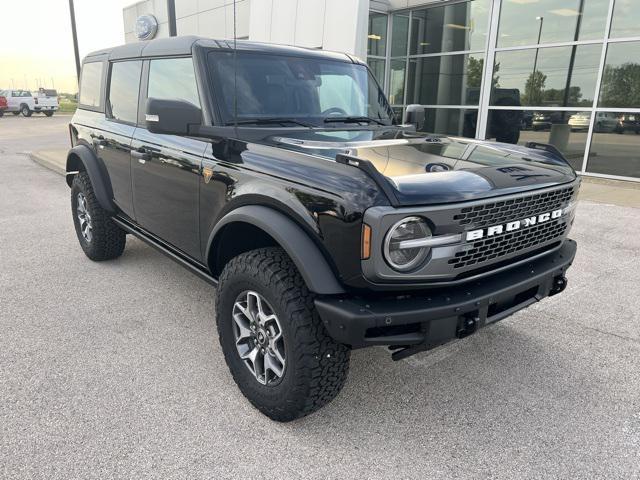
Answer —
414 115
172 117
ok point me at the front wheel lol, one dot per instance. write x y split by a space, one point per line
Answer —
26 112
99 237
273 340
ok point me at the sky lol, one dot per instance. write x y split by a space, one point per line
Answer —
36 46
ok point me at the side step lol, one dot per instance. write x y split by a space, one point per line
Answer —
175 255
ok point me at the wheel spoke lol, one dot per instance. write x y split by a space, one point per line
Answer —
244 332
271 364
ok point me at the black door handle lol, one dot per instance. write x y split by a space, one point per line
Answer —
141 154
99 140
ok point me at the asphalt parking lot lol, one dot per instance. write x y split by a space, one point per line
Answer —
113 370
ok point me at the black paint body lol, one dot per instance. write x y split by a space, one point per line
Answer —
159 185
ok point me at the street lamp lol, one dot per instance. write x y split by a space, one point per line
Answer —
535 62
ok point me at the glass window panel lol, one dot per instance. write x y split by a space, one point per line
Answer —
91 84
450 28
539 77
621 77
399 35
123 90
377 67
396 82
377 38
524 22
449 121
173 78
567 131
626 17
399 114
615 147
445 80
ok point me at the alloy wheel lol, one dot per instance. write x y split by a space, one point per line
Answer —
84 218
258 337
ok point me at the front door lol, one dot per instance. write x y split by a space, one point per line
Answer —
166 168
113 142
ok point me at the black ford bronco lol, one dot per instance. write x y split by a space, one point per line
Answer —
280 175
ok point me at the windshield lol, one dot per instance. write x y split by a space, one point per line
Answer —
307 91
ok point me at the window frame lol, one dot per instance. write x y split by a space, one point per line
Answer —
100 107
107 110
144 85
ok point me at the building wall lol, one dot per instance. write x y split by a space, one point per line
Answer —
208 18
328 24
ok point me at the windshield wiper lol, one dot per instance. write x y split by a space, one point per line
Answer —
270 121
353 120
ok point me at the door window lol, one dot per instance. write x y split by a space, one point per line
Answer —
173 79
123 91
91 84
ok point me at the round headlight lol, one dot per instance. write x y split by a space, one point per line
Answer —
399 256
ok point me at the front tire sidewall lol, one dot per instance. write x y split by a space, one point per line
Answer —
25 111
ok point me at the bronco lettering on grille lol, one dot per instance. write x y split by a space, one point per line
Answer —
511 226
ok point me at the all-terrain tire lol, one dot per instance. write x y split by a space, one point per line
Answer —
316 366
107 239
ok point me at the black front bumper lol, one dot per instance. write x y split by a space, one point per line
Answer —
437 316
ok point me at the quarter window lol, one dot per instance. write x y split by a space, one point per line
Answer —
123 91
173 78
91 84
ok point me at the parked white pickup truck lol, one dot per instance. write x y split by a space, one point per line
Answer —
23 101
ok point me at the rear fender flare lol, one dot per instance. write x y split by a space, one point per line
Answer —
82 157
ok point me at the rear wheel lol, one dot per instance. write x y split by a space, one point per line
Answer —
48 114
26 112
99 237
16 113
274 343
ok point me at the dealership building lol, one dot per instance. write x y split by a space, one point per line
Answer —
564 72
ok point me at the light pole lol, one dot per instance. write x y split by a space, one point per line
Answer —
72 14
535 62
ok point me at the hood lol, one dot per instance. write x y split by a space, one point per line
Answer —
434 169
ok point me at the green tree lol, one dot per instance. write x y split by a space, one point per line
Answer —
533 89
474 73
621 86
556 96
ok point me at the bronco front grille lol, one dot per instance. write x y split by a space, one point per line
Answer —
495 213
510 243
492 249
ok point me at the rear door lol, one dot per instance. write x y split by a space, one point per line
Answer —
114 143
166 168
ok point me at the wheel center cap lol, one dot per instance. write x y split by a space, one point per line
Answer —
261 337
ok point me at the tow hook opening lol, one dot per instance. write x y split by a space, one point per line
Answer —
559 284
468 325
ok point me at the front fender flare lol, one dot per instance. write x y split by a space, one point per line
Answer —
97 174
306 255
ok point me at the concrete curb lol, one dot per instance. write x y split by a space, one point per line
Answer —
48 161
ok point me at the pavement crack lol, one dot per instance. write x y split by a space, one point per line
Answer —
604 332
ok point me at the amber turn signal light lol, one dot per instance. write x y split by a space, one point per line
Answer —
366 242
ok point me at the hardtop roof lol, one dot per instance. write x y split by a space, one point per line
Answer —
183 46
